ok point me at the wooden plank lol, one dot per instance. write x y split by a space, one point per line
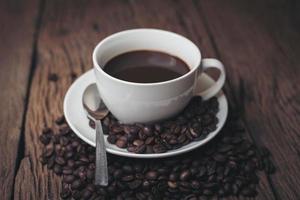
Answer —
17 22
259 43
69 32
182 17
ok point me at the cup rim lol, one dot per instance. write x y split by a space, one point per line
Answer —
117 34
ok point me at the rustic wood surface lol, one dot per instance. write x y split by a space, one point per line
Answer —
17 31
258 41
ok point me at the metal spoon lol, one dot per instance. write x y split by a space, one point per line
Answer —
96 110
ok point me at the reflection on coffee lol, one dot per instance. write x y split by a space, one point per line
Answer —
146 67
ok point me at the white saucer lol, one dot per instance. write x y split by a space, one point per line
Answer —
77 120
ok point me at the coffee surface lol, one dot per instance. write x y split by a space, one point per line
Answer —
146 67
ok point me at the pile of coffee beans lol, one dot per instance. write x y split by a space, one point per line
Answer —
195 122
226 166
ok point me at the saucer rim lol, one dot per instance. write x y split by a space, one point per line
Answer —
221 97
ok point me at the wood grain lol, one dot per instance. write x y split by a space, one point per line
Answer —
184 18
17 22
69 32
260 47
257 41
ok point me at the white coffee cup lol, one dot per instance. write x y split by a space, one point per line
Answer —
148 102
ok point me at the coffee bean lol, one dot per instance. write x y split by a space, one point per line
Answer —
66 193
48 150
159 148
225 148
149 141
118 174
60 160
134 184
68 178
185 175
127 178
149 149
44 139
173 177
86 194
148 131
127 169
112 139
151 175
207 192
142 135
60 120
76 184
131 148
117 129
90 174
57 169
195 185
64 129
172 185
121 143
140 149
67 171
138 142
219 158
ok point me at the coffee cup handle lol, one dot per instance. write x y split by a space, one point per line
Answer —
217 86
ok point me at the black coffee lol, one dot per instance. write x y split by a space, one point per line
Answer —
146 67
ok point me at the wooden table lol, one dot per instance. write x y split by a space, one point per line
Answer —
258 41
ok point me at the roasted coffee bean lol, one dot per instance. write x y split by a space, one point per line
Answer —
60 160
142 135
151 175
134 184
90 174
112 139
117 129
128 169
45 139
65 193
173 177
76 184
185 175
86 194
48 150
64 129
127 178
149 141
159 148
140 149
131 148
225 148
68 178
138 142
60 120
121 143
118 174
67 171
148 131
57 169
219 158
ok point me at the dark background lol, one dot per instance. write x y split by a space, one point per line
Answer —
258 41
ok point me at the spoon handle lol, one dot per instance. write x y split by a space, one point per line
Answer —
101 174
